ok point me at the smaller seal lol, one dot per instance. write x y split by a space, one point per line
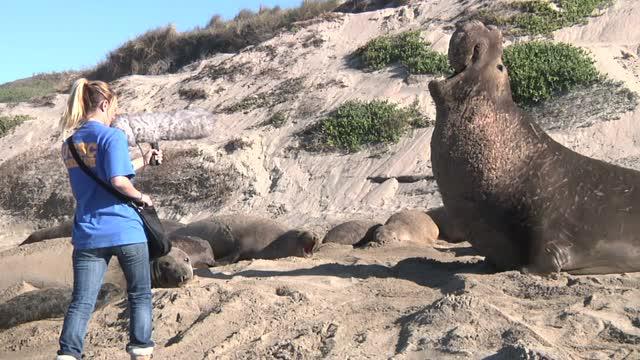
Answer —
198 249
354 232
64 229
407 226
172 270
48 304
61 231
244 237
449 229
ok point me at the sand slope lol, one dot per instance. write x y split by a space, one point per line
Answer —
403 303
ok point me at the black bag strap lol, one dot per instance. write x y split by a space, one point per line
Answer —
91 174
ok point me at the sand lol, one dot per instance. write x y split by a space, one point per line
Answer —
406 302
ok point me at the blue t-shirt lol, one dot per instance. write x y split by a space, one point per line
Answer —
101 219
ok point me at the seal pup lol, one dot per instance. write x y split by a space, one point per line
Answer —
199 250
48 304
449 229
354 232
172 270
406 226
526 201
243 237
64 230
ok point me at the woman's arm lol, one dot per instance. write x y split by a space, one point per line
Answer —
125 186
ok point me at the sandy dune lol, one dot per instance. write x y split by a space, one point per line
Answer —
440 302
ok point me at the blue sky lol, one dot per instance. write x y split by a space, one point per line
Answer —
46 35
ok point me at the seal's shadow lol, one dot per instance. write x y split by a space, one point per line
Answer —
422 271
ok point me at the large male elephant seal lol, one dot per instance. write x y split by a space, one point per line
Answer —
406 226
524 200
352 232
244 237
47 304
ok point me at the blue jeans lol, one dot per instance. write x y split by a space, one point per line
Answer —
89 266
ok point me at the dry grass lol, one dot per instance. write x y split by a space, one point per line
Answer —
165 50
35 186
188 180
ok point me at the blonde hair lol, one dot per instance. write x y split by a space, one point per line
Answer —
84 98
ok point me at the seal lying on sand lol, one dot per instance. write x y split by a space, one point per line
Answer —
65 228
526 201
47 304
196 250
199 250
449 230
406 226
352 232
171 270
61 231
243 237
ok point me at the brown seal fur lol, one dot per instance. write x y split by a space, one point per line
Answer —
64 229
524 200
199 250
449 230
242 237
407 226
61 231
172 270
47 304
354 232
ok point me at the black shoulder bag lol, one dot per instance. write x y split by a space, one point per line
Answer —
158 242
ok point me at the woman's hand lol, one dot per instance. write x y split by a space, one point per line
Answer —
150 153
146 200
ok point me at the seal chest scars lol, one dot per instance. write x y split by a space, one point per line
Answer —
521 199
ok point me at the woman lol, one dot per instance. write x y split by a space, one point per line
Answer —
103 225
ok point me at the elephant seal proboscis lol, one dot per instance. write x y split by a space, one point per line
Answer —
406 226
354 232
524 200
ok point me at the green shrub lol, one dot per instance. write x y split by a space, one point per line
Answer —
10 122
35 86
277 120
535 17
357 123
165 50
540 69
407 48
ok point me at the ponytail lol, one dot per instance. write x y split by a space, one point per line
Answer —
75 111
84 98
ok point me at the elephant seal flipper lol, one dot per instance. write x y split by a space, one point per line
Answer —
526 201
